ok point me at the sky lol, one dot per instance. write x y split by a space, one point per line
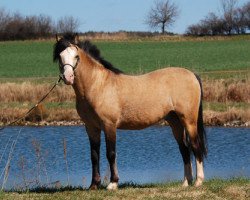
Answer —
113 15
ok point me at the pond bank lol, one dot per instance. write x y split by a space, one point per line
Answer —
212 189
234 123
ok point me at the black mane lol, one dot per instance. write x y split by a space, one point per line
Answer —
86 46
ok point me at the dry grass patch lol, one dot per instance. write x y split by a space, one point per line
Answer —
214 118
147 36
214 90
242 192
29 92
227 90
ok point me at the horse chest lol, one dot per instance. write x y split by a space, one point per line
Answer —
86 112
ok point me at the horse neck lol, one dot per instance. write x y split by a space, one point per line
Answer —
90 76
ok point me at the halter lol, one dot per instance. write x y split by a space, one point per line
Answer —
73 67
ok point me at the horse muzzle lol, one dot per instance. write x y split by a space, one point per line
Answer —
68 75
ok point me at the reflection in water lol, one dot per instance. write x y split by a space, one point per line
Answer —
149 155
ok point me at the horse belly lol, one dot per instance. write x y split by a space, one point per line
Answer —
139 117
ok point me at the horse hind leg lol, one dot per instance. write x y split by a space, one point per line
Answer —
180 136
196 145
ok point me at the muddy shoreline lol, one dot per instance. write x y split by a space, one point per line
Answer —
233 124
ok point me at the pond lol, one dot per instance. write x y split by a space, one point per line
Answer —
61 155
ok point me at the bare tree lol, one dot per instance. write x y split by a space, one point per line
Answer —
193 29
163 14
213 23
68 24
14 27
18 27
239 20
44 25
228 8
246 10
234 20
4 18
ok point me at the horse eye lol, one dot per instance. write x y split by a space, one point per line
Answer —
77 57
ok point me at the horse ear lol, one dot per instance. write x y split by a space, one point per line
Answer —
57 38
76 38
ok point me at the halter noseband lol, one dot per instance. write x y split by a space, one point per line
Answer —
73 67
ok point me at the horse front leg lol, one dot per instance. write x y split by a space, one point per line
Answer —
95 142
110 137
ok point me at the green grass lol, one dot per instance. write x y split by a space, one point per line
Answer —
212 189
197 56
34 58
222 106
26 59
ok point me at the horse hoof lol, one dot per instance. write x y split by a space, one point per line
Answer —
112 186
185 183
93 187
198 182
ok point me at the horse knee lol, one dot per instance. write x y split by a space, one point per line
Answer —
196 148
195 141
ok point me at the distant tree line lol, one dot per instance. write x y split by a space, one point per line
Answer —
163 14
18 27
234 20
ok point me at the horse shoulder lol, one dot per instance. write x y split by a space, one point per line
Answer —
105 101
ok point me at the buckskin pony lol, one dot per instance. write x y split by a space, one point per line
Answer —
107 100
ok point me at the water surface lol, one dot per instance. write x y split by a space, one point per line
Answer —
146 156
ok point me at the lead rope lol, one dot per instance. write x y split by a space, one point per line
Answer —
29 111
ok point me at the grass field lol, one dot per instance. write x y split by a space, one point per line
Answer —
217 58
237 189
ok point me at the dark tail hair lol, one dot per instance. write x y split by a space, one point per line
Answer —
202 138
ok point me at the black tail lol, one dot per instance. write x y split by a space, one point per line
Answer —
202 139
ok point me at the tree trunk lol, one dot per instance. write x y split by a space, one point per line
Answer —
163 28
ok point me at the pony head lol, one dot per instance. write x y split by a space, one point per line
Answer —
66 53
